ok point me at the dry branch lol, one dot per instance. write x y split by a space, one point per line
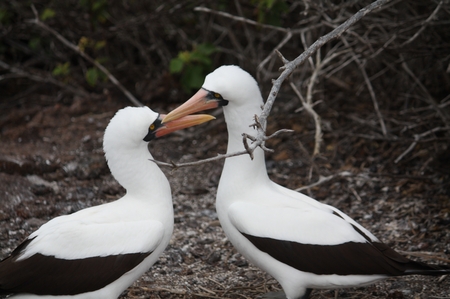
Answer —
287 69
75 48
45 79
323 179
417 137
240 19
441 112
424 24
361 66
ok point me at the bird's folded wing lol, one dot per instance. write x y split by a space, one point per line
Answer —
82 239
77 257
302 198
314 240
307 225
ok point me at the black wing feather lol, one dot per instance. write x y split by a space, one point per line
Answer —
46 275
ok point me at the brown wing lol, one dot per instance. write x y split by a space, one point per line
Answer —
47 275
343 259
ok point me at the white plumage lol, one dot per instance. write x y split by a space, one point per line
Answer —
99 251
301 242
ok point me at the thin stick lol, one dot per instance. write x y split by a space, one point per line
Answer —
370 88
325 179
287 70
274 51
424 25
194 163
309 108
417 137
428 97
426 255
240 19
75 48
46 79
289 67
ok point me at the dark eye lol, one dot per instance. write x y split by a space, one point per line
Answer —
152 127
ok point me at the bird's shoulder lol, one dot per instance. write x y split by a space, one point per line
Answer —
294 219
78 237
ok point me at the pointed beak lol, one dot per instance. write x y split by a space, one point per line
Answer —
181 122
198 102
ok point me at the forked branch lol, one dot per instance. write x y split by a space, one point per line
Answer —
287 69
77 49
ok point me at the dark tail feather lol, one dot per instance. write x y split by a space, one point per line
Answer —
405 266
424 269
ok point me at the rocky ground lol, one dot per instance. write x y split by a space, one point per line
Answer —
52 163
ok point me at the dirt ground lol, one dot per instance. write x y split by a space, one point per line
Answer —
52 163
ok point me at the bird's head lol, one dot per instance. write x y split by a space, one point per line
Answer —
134 125
228 85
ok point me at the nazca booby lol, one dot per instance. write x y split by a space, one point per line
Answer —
301 242
99 251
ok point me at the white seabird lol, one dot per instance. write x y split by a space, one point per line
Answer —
98 252
301 242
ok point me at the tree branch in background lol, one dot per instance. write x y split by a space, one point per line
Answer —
417 137
370 88
38 78
424 24
441 112
323 179
289 66
75 48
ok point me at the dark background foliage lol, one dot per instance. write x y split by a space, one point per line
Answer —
381 91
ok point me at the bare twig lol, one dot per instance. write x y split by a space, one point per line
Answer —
249 149
370 88
47 79
240 19
287 70
417 137
289 67
424 24
248 35
194 163
274 51
75 48
426 255
428 97
309 108
325 179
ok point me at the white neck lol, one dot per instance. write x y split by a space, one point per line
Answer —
132 168
242 170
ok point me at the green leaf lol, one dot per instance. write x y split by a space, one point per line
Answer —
192 78
102 59
193 65
61 69
176 65
92 76
269 3
206 49
202 59
99 5
100 45
185 56
4 16
48 13
34 43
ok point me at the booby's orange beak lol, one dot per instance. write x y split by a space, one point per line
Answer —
180 122
202 100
